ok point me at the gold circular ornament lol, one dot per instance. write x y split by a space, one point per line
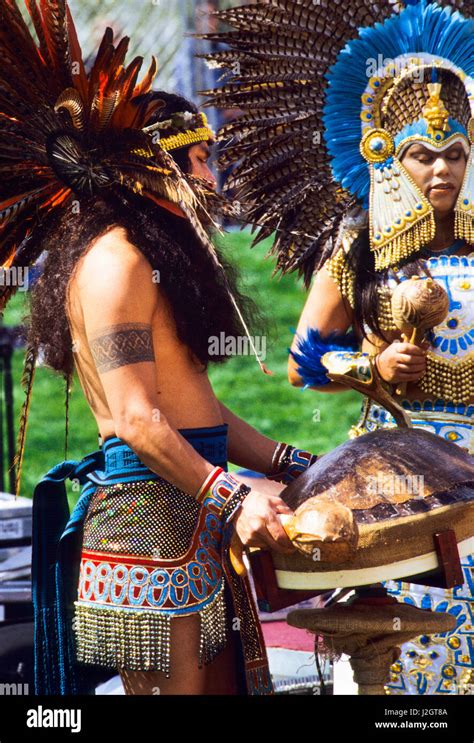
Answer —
470 130
377 145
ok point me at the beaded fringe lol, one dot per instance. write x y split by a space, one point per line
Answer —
339 269
448 381
403 245
140 640
464 225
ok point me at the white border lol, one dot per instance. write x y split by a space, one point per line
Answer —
299 581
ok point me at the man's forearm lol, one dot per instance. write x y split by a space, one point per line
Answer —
164 451
246 446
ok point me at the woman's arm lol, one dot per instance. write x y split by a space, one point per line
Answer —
327 311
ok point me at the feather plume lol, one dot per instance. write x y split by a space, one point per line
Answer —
38 23
27 379
75 55
56 32
146 83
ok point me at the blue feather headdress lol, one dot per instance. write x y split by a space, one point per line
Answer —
408 79
329 93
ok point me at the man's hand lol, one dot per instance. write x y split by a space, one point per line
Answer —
268 487
257 523
402 362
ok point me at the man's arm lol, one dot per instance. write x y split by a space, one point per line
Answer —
247 447
119 301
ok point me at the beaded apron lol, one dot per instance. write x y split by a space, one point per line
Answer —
151 553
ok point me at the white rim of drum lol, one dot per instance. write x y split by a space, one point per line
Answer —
296 581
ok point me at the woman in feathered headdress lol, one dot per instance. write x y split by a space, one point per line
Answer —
356 146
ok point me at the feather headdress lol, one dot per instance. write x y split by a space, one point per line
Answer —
298 72
65 132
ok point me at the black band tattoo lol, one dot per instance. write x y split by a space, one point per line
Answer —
119 345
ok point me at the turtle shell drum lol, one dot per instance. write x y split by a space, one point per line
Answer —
367 511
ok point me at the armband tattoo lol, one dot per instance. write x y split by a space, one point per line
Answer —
120 345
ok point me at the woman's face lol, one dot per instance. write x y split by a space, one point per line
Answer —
199 154
439 175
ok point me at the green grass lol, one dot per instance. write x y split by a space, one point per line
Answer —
308 419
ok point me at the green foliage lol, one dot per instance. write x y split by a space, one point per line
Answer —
314 420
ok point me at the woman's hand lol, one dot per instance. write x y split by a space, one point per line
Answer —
402 362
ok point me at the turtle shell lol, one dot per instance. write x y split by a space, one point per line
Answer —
402 486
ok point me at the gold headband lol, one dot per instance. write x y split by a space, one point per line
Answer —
202 133
192 136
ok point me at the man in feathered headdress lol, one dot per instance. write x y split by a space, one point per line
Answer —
109 180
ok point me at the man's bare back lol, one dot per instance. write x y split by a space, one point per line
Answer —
184 392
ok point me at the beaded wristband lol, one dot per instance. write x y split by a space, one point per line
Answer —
235 502
288 463
207 484
222 494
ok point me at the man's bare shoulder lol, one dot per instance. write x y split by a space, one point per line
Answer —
112 261
111 249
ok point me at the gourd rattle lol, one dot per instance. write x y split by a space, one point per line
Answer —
418 305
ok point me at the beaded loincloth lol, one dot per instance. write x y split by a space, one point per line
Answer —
151 553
